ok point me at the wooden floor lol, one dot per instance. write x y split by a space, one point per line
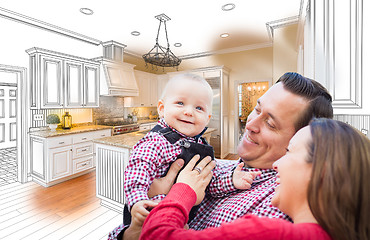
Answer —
68 210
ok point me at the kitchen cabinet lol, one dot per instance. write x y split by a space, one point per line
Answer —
60 158
147 126
59 80
148 90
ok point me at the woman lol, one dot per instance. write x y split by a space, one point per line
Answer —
323 186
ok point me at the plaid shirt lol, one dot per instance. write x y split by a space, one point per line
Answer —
257 200
150 159
216 209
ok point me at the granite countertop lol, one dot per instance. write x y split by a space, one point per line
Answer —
147 121
74 130
128 140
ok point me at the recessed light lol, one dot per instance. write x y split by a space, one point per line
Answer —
224 35
135 33
177 44
228 7
86 11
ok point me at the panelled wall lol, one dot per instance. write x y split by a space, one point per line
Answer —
360 122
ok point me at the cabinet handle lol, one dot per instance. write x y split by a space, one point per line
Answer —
103 135
84 150
83 164
61 142
84 138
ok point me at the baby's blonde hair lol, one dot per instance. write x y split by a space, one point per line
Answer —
188 77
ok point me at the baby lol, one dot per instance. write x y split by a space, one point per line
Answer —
185 110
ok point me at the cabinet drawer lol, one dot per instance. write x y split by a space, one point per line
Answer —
82 164
83 137
82 149
102 133
59 141
144 127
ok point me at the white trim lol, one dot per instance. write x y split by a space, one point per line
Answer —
271 26
22 121
46 26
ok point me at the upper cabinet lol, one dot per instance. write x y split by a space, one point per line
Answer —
59 80
148 90
335 51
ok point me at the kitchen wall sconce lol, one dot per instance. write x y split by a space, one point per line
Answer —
158 55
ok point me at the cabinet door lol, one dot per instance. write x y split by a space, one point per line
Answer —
144 90
153 91
60 162
74 84
51 79
91 86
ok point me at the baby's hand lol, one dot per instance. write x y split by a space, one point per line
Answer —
242 179
140 211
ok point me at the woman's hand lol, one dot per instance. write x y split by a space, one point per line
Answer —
197 177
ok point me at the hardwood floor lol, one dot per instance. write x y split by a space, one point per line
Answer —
68 210
232 157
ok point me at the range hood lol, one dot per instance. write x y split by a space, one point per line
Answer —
117 78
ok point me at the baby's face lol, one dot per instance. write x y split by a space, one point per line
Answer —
186 107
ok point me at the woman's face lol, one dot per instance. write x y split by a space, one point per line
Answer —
293 174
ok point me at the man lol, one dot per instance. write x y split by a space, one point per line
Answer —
285 108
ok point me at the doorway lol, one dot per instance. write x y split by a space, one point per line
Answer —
247 95
8 131
13 125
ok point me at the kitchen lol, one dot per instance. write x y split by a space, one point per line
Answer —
260 62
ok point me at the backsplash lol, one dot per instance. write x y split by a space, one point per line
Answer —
109 107
360 122
79 115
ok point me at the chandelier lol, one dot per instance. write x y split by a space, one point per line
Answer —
158 55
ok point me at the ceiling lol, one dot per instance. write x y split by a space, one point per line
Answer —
196 24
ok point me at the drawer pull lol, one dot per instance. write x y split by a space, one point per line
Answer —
84 150
61 142
83 165
84 138
103 135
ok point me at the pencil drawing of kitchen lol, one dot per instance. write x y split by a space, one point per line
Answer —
80 83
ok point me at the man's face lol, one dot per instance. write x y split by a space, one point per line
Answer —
270 126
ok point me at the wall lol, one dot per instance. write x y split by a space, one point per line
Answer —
284 51
17 37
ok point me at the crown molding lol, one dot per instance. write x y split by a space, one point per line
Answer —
46 26
280 23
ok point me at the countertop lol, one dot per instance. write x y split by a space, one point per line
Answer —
128 140
74 130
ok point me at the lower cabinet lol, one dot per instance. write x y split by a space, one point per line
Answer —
57 159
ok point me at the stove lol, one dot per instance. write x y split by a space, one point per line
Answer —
120 127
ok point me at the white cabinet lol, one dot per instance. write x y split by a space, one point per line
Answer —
148 89
58 80
60 162
147 126
61 158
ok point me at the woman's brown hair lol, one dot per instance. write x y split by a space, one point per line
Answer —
339 190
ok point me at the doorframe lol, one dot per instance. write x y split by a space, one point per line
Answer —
22 120
236 107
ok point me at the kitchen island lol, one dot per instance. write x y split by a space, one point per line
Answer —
112 156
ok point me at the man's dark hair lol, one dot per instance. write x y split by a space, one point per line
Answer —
319 99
